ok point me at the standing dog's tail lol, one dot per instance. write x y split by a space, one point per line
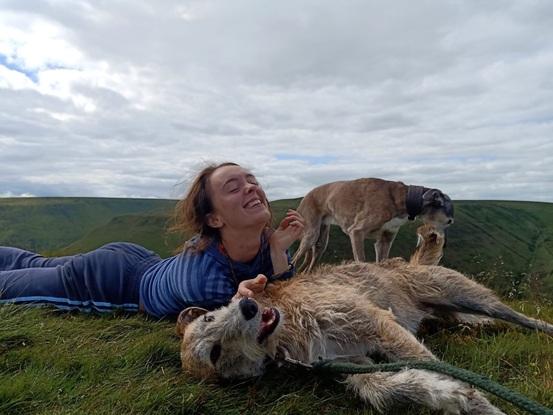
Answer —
312 247
315 234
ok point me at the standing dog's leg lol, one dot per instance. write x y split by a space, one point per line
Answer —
321 244
433 390
383 244
357 239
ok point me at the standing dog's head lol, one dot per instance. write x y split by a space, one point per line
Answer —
232 341
437 209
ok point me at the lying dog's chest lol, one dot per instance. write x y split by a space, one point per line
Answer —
330 349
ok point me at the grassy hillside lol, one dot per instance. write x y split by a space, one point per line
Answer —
148 230
43 224
506 245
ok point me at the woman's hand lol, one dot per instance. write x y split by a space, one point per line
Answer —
289 230
248 288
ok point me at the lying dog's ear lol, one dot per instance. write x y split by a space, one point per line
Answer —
420 239
186 316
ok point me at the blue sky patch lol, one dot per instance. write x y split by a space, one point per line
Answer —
32 75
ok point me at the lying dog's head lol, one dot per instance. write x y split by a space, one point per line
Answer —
232 341
437 209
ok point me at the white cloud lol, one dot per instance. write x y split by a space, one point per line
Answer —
10 194
126 99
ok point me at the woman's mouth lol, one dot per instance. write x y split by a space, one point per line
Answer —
252 204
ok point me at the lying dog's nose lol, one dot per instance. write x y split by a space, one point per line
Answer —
248 308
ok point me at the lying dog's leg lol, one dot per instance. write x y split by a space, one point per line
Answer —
392 340
384 390
433 390
455 292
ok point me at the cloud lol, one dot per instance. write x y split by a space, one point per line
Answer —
125 99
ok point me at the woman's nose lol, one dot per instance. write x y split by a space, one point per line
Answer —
250 187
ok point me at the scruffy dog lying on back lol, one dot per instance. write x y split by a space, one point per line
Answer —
355 309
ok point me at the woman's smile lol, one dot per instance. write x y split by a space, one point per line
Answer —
253 204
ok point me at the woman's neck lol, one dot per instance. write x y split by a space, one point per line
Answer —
241 246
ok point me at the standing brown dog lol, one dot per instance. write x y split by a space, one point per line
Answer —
366 208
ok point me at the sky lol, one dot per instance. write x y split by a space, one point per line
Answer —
132 98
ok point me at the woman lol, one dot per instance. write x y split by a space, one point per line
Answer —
234 254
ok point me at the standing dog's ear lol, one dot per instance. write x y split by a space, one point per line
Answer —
433 197
187 316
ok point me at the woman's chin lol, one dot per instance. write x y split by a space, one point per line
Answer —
259 216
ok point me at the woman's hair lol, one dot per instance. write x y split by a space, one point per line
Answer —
190 215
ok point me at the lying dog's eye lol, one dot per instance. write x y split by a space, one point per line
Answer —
215 353
208 319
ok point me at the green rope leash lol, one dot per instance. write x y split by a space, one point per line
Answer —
467 376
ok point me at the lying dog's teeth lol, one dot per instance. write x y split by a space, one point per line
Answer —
269 320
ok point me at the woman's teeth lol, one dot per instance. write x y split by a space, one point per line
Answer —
253 203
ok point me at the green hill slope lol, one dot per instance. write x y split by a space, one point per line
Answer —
148 230
43 224
506 245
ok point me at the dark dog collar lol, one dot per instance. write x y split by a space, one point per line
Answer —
413 202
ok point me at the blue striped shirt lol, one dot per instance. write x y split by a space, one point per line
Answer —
206 279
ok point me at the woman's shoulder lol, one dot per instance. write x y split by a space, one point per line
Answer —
198 250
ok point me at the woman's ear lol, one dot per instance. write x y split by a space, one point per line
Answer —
213 220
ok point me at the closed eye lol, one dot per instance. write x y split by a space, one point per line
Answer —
208 318
215 353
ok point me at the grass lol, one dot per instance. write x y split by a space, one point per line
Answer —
55 362
67 363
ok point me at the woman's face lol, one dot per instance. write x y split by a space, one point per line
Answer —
238 200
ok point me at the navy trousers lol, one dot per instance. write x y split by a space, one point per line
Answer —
103 280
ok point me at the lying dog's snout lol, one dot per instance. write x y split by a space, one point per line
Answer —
248 308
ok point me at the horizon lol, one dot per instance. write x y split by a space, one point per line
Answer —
270 201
